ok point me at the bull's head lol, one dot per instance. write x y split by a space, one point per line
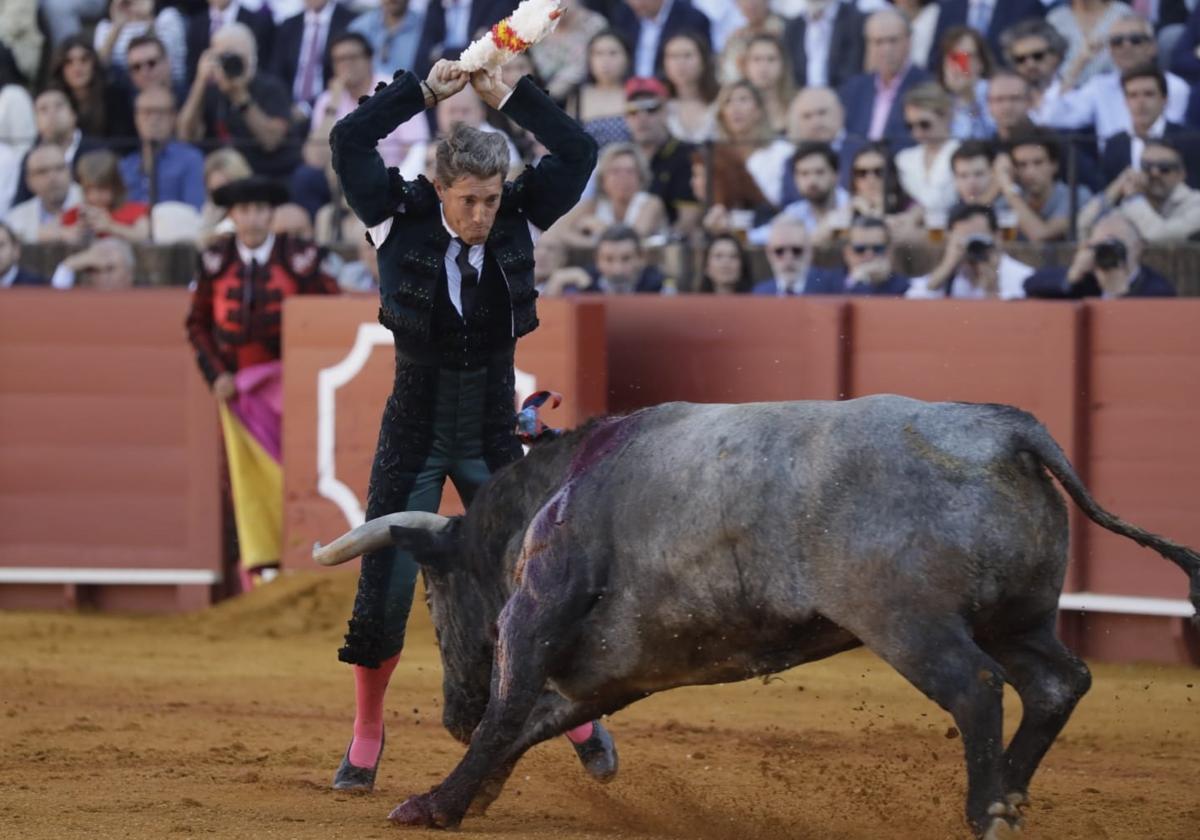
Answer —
463 606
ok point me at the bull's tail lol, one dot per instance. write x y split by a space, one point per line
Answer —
1034 438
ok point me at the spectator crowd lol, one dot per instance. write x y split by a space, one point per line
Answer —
725 126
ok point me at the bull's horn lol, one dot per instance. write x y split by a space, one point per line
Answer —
374 535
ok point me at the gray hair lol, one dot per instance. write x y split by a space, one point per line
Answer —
1130 15
469 151
1033 28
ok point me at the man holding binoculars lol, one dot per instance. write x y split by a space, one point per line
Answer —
973 266
232 103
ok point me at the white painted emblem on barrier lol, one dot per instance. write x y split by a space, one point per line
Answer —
329 379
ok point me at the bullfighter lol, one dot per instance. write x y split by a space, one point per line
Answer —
457 291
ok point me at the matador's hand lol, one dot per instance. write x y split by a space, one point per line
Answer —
446 79
490 86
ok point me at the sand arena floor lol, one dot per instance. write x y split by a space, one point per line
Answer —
229 724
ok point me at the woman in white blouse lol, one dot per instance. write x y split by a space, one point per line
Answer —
924 169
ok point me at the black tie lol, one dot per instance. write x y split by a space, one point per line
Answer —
470 277
248 288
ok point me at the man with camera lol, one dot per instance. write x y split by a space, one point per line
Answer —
1107 264
973 266
232 104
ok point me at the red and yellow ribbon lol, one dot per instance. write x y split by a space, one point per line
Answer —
505 38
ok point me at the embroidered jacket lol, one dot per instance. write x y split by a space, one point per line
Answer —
411 259
236 318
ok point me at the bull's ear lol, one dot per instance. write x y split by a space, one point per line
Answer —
435 550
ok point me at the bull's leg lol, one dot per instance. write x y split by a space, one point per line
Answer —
551 717
1050 681
943 661
525 644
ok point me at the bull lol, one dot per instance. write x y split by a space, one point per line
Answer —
693 544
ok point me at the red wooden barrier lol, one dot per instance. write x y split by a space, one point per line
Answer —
108 440
108 453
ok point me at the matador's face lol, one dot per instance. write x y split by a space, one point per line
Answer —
470 205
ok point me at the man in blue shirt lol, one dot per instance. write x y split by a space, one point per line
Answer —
178 167
393 30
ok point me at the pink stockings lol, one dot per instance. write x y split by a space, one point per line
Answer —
370 688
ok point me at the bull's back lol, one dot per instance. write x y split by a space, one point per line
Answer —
802 502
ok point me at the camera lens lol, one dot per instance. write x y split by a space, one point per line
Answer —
1110 253
232 64
979 248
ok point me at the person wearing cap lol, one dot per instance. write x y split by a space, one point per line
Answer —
669 157
456 276
235 325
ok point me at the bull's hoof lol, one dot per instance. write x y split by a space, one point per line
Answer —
598 754
421 812
1017 802
1004 822
1001 829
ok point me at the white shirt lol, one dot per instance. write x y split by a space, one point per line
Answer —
222 17
932 188
766 167
63 278
1137 145
262 253
27 218
979 14
724 18
924 27
818 37
10 176
316 25
1011 276
1101 101
458 22
70 150
649 34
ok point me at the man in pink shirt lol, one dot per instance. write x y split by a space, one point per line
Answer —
872 100
353 77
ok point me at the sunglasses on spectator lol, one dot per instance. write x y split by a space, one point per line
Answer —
1036 55
1132 40
784 250
924 125
1159 167
138 66
872 171
878 250
645 106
